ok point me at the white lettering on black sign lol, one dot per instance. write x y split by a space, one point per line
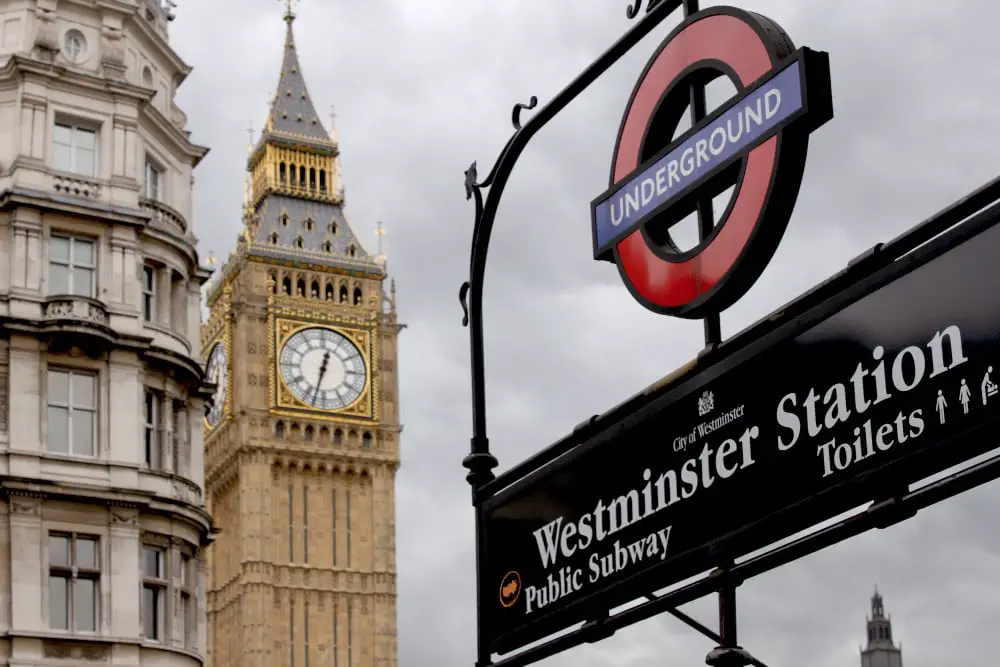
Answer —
817 412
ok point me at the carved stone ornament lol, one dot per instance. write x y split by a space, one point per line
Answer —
26 506
113 50
124 516
61 651
46 37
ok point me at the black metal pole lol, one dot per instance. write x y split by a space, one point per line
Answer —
727 654
706 217
480 462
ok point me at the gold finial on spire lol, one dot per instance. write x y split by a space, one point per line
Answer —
380 232
289 5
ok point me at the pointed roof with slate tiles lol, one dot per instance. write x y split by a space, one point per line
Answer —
293 223
292 109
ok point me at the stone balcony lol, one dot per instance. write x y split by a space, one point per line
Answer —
164 218
75 308
74 320
76 186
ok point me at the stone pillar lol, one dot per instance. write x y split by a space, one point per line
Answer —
164 283
125 403
178 306
26 267
166 433
27 564
181 453
193 333
123 595
26 402
39 125
201 607
196 447
4 401
5 562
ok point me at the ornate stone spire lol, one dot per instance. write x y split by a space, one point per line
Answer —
292 109
295 207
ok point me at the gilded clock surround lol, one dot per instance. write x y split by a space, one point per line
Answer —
364 408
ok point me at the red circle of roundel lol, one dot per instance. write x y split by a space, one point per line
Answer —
719 273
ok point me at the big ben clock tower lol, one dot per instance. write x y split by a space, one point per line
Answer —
302 439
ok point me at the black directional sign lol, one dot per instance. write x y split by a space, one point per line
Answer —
892 380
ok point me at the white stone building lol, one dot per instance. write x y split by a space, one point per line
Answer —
102 517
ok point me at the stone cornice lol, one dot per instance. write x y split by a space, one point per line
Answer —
29 67
113 497
179 138
133 217
190 367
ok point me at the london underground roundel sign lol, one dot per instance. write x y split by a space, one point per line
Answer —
755 143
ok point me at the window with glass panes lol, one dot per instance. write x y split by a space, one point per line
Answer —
72 412
152 413
148 293
74 149
154 592
74 581
154 176
72 266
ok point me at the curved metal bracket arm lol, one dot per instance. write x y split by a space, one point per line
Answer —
480 461
633 10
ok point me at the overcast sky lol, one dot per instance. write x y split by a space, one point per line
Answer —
424 87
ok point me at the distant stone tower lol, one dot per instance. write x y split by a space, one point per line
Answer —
881 652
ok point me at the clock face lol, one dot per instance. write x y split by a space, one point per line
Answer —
216 373
322 368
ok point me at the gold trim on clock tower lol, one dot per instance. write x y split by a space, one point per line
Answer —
303 571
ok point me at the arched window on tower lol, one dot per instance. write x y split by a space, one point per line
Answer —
329 292
272 281
286 286
338 437
327 246
282 174
283 219
352 251
314 290
312 178
366 440
300 288
279 430
357 296
299 243
273 238
291 174
343 294
307 435
322 180
302 176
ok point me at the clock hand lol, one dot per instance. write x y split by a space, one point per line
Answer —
322 372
